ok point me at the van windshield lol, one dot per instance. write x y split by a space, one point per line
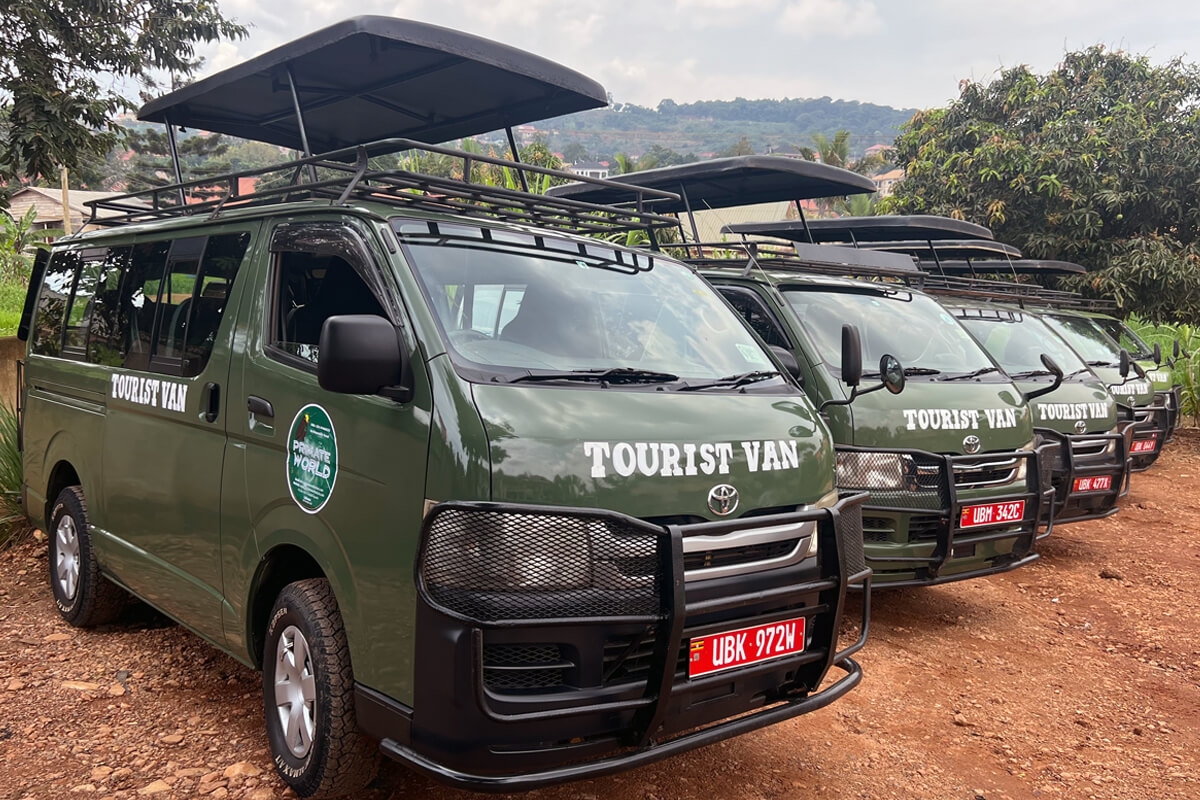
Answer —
912 327
512 304
1122 333
1017 341
1092 344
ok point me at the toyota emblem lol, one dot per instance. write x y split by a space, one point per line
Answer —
722 499
1080 426
971 445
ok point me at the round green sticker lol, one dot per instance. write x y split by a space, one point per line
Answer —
312 461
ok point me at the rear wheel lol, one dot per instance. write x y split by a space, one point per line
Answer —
83 596
308 694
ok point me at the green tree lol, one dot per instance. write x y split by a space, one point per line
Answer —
62 65
199 157
741 147
573 152
836 151
1095 162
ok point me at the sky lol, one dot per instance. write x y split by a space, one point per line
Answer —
902 53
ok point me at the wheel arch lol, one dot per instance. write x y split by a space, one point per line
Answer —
62 475
283 564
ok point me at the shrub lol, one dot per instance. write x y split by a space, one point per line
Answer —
12 517
1186 371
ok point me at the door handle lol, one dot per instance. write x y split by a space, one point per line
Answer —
211 402
260 407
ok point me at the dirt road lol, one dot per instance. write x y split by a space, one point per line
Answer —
1077 677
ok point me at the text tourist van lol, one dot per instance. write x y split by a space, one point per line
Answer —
508 503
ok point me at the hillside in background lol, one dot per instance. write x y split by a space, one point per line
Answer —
710 126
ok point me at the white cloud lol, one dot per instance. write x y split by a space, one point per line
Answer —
840 19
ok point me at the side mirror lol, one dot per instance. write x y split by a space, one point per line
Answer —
1054 369
1123 364
1138 369
361 354
1157 354
892 373
788 359
851 356
1177 348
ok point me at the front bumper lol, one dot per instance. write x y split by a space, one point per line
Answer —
1071 463
913 532
1172 399
611 690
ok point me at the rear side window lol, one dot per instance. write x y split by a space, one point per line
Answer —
153 306
52 303
757 317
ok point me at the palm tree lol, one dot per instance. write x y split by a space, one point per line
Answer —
835 152
19 240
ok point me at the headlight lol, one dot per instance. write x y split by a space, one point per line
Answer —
866 470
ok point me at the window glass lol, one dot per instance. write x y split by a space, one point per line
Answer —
222 257
175 296
104 340
1092 344
52 303
910 326
139 303
1018 340
80 306
563 309
756 317
311 288
1118 330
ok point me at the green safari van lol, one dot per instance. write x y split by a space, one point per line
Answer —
954 482
1073 408
502 501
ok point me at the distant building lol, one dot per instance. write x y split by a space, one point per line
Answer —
590 169
48 203
885 182
879 150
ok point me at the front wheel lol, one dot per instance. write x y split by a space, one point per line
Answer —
308 694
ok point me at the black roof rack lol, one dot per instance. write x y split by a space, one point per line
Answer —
845 262
1016 293
370 78
930 253
346 175
854 230
1020 266
726 182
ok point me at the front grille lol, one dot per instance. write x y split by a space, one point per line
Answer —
896 480
994 471
523 667
1086 448
924 528
877 529
709 559
628 657
493 565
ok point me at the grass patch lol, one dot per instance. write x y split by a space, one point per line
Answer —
12 301
13 521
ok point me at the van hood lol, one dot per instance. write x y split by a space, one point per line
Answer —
1071 402
651 453
1158 375
1136 391
938 415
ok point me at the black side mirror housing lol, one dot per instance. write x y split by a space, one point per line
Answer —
892 373
1177 348
851 356
1157 353
1123 364
788 359
1052 367
361 354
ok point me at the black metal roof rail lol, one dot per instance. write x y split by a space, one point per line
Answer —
1021 266
801 259
858 230
345 175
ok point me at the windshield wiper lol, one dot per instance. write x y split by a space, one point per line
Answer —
966 375
1102 364
609 375
733 381
1033 373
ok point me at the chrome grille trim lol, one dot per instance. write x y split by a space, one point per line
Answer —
803 532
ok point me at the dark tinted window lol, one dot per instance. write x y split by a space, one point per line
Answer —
175 295
222 257
757 317
104 342
52 303
139 303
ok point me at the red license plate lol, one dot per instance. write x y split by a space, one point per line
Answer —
722 651
1096 483
992 514
1142 446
